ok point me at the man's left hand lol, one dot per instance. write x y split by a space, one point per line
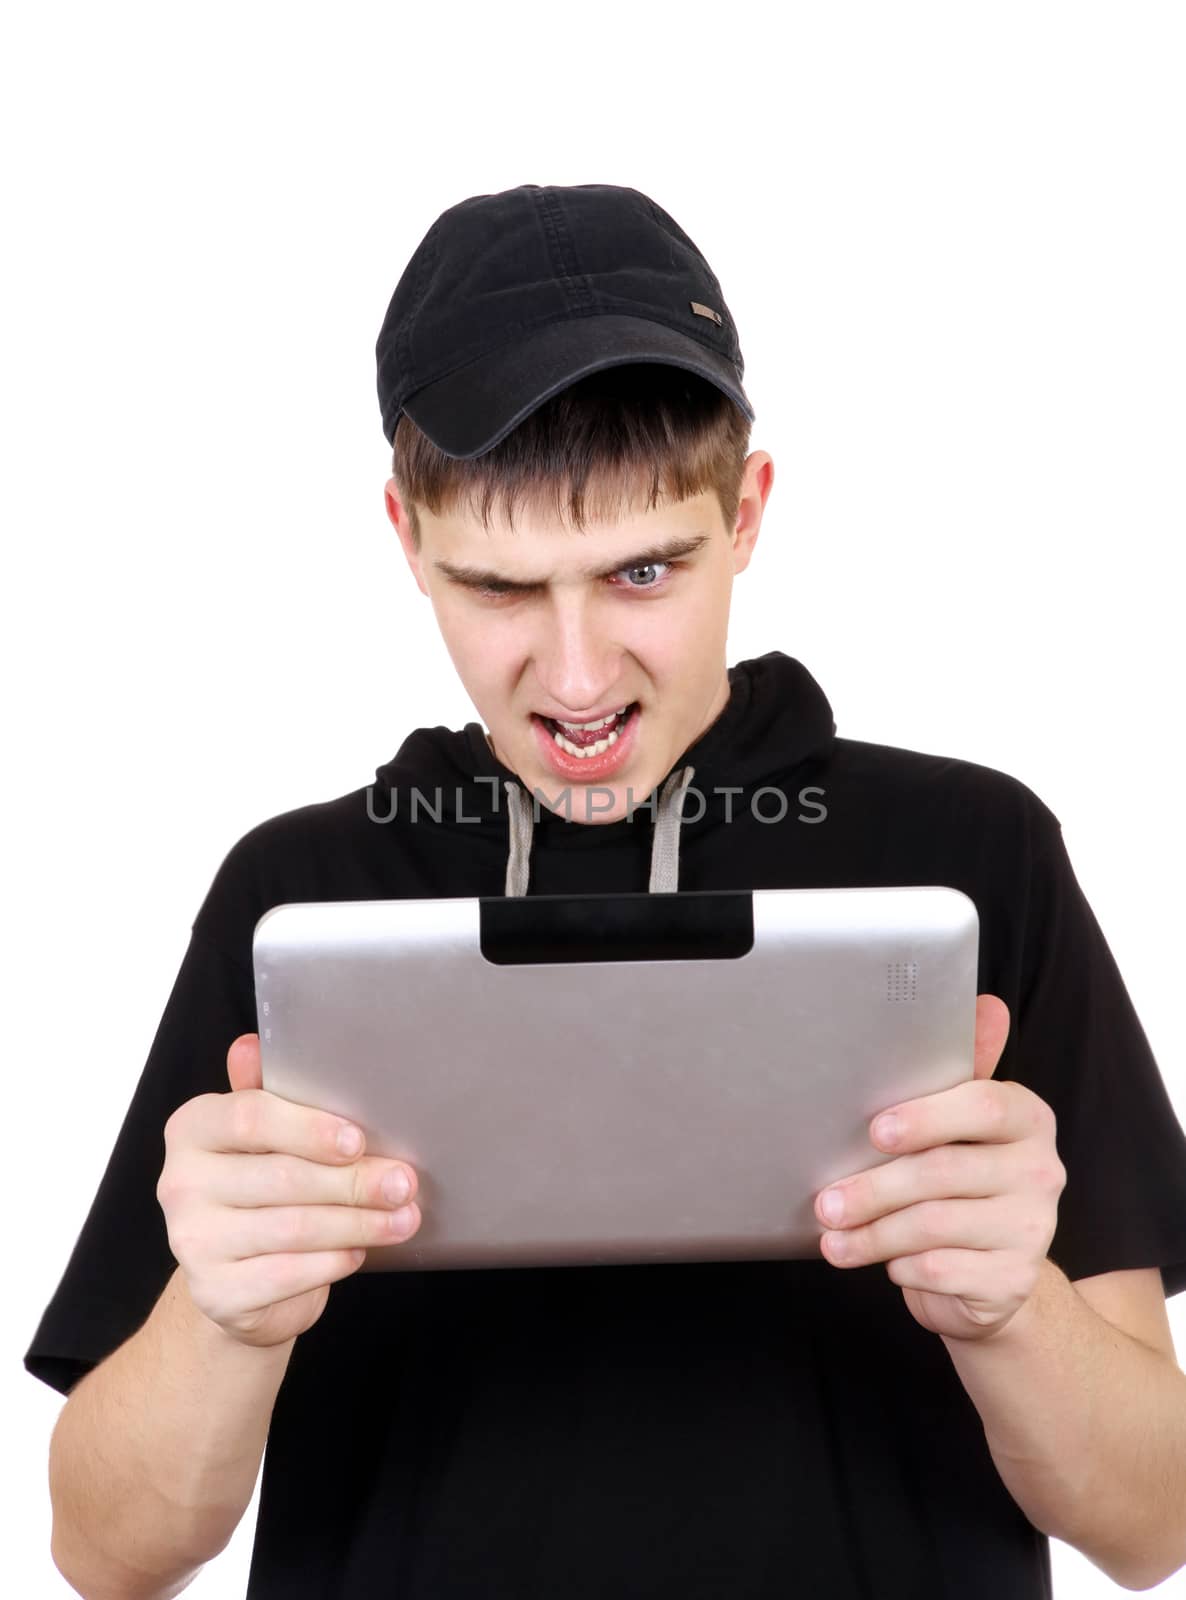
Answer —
966 1213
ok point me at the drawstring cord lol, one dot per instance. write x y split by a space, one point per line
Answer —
664 877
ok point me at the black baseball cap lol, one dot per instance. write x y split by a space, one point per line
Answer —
511 297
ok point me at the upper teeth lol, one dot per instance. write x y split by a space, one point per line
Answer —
578 727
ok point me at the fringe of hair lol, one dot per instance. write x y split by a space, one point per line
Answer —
624 435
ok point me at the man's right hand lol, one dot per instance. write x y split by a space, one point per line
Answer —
264 1211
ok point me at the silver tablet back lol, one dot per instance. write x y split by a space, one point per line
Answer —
597 1079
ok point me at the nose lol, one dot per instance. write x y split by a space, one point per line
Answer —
577 661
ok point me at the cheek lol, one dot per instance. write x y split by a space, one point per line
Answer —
692 631
677 644
483 654
456 624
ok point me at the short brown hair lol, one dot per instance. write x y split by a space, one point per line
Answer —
588 450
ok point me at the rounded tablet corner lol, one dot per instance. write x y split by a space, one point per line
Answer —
270 912
969 910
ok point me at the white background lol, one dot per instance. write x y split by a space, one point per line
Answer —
952 238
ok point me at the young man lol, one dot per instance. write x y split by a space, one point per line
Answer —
990 1362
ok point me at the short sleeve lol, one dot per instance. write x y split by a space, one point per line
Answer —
1081 1047
121 1261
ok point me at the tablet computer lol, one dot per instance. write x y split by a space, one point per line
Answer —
609 1079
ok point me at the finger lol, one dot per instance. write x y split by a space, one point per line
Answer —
995 1111
992 1030
245 1286
945 1172
987 1276
255 1121
283 1180
991 1224
285 1230
243 1063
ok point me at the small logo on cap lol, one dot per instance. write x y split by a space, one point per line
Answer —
706 311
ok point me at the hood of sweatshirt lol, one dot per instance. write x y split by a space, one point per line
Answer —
776 718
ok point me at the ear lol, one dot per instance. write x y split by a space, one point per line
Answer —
400 522
756 484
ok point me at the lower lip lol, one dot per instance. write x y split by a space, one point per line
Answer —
587 769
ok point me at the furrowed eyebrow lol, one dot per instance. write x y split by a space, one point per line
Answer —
483 578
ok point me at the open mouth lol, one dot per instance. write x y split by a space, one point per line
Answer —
585 740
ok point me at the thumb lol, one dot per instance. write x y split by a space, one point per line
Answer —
243 1063
992 1029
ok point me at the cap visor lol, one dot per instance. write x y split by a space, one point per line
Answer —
474 408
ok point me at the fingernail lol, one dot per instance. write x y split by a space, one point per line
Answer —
396 1186
887 1129
349 1141
832 1205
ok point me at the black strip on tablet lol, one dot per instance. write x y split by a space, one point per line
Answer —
704 925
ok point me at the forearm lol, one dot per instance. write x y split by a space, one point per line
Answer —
1087 1428
155 1455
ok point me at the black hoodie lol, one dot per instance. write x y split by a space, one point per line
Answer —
753 1429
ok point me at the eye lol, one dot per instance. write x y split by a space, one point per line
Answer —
644 568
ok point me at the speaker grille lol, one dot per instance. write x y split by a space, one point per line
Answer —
901 980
